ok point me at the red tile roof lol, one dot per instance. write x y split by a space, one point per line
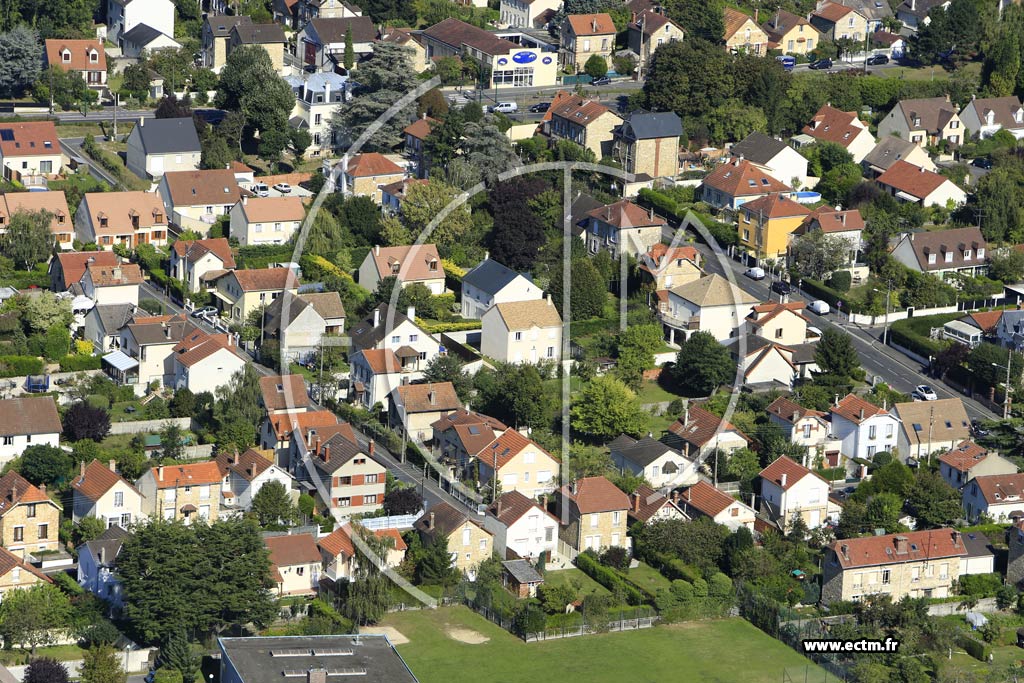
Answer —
702 427
832 221
734 21
287 392
80 51
646 502
986 320
29 138
578 110
913 180
765 313
591 24
381 361
9 561
53 201
595 494
15 490
432 397
790 411
200 345
513 505
247 465
73 264
115 276
880 550
775 206
832 125
192 474
739 177
321 421
508 445
338 542
210 187
420 128
195 249
287 551
394 536
995 488
855 409
832 12
791 469
626 214
95 480
705 498
966 455
370 164
412 262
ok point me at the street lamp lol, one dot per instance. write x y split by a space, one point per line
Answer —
1006 395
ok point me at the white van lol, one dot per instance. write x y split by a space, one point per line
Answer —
260 190
820 307
505 108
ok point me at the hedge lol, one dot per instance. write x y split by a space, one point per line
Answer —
980 585
609 578
452 270
912 333
820 290
663 204
439 328
975 648
672 568
18 366
78 363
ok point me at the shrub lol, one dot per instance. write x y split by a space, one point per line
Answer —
78 363
615 557
980 585
17 366
840 281
913 334
440 328
975 648
608 578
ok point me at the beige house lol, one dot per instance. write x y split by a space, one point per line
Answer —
790 33
163 145
622 227
351 477
52 201
239 292
125 218
182 492
525 13
891 149
969 460
469 543
789 490
415 407
407 39
926 121
363 174
294 563
98 491
647 144
522 332
649 30
704 500
194 200
86 57
266 220
588 123
666 267
193 260
16 574
30 152
521 463
408 264
112 285
270 37
461 434
807 428
928 427
710 304
779 323
595 512
29 519
742 34
918 564
216 36
837 22
586 35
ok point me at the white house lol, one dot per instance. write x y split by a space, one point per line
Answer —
995 495
986 116
298 325
774 156
841 127
103 325
195 199
245 474
316 99
266 220
113 285
807 428
376 372
408 264
649 506
97 565
206 362
944 253
385 329
98 491
492 283
928 427
968 460
699 432
704 500
522 332
711 304
25 422
149 342
124 15
143 40
531 531
191 260
909 183
863 428
789 490
163 145
660 465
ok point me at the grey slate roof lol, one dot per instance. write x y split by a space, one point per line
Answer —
490 276
366 336
168 136
221 26
888 151
644 125
332 30
758 148
259 34
114 316
142 34
110 542
264 659
522 571
642 452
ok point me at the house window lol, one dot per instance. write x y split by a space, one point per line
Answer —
593 521
519 336
126 520
44 531
316 120
65 56
300 571
370 500
371 478
94 57
19 533
735 512
30 511
616 517
949 257
967 254
277 227
396 338
586 45
886 575
466 536
549 535
981 253
889 430
778 333
414 337
8 440
118 499
872 431
807 431
551 352
871 451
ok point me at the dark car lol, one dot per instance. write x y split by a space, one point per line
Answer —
820 64
978 428
982 162
604 80
781 287
540 107
875 60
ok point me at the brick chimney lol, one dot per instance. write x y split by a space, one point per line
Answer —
14 494
636 501
327 452
430 522
112 464
957 540
498 508
845 551
42 488
370 447
901 545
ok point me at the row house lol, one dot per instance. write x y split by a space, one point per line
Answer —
125 218
944 253
182 492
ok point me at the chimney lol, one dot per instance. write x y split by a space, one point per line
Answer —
142 122
498 508
42 488
14 493
167 332
376 317
862 413
81 468
901 545
370 447
835 400
103 555
755 15
112 464
675 496
316 675
784 479
327 452
432 397
376 250
430 523
309 438
636 501
956 539
245 200
796 415
593 24
487 255
845 550
410 313
234 457
544 502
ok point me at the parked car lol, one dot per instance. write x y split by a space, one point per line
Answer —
977 429
540 107
982 162
604 80
788 63
923 392
204 311
261 190
283 188
875 60
504 108
782 287
820 307
820 64
755 273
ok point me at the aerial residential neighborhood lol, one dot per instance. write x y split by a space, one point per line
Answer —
443 341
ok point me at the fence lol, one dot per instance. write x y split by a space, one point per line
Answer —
197 452
630 624
943 609
140 426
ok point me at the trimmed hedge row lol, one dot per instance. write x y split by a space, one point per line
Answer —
609 578
672 568
912 333
726 235
820 290
17 366
80 362
439 328
975 648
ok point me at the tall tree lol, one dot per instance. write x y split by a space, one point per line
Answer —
703 20
489 150
587 293
349 58
606 408
177 652
28 240
449 368
518 232
688 77
170 107
702 365
43 464
237 409
34 616
19 60
932 501
370 593
422 204
434 565
815 254
273 506
250 84
102 664
836 356
384 78
514 394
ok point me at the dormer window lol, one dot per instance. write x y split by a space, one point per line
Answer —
967 254
94 57
931 259
103 221
981 253
60 219
432 265
1018 116
395 267
65 56
949 257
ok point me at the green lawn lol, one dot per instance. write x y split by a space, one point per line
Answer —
63 653
652 392
926 73
563 577
724 651
648 577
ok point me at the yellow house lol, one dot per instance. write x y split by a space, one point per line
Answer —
597 512
240 292
667 267
29 519
294 563
586 35
742 34
780 323
837 21
766 222
15 573
270 37
790 33
521 463
186 492
648 31
469 543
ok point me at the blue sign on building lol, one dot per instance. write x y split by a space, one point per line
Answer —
524 57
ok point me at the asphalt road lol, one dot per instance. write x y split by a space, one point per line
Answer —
895 369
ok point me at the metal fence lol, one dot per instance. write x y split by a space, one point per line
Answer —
630 624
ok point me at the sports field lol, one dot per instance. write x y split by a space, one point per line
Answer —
455 645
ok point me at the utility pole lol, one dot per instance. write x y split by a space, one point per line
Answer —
115 117
1006 395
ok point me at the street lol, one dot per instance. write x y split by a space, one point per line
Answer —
895 369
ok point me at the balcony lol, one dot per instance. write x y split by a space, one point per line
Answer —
691 323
